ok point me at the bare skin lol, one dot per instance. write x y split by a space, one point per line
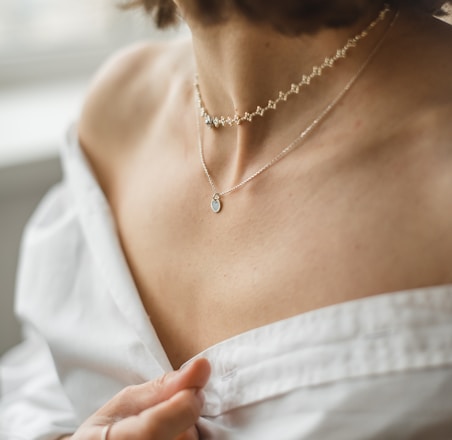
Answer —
164 409
363 207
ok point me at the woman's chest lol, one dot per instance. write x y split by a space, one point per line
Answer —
272 252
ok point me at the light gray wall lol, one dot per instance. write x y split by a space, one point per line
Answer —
21 188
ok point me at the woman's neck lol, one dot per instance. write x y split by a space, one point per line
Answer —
241 66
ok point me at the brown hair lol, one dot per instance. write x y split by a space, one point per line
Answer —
287 16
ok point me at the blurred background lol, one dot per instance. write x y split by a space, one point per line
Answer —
49 50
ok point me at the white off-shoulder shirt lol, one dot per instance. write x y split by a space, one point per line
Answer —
369 369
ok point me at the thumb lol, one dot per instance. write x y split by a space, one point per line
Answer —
134 399
164 421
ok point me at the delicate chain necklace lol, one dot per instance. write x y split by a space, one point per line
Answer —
217 121
215 202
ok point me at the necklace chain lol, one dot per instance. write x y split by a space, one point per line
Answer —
216 204
295 88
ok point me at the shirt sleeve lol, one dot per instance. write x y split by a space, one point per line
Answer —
33 403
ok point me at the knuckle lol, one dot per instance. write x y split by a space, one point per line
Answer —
126 394
160 381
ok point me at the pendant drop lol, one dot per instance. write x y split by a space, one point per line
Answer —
215 204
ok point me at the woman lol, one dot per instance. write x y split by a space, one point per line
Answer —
287 219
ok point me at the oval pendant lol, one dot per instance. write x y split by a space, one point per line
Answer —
215 204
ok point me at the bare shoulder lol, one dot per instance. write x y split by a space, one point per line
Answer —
431 127
431 114
434 79
415 93
127 92
422 72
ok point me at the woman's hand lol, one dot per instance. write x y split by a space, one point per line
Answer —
164 409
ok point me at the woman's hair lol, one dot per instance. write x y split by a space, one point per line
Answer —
287 16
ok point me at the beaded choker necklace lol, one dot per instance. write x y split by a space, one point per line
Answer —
294 89
216 202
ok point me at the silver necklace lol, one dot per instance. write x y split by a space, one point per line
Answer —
295 88
216 203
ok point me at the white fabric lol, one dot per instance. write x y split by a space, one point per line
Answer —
376 368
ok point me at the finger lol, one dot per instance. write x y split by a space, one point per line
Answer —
164 421
190 434
134 399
